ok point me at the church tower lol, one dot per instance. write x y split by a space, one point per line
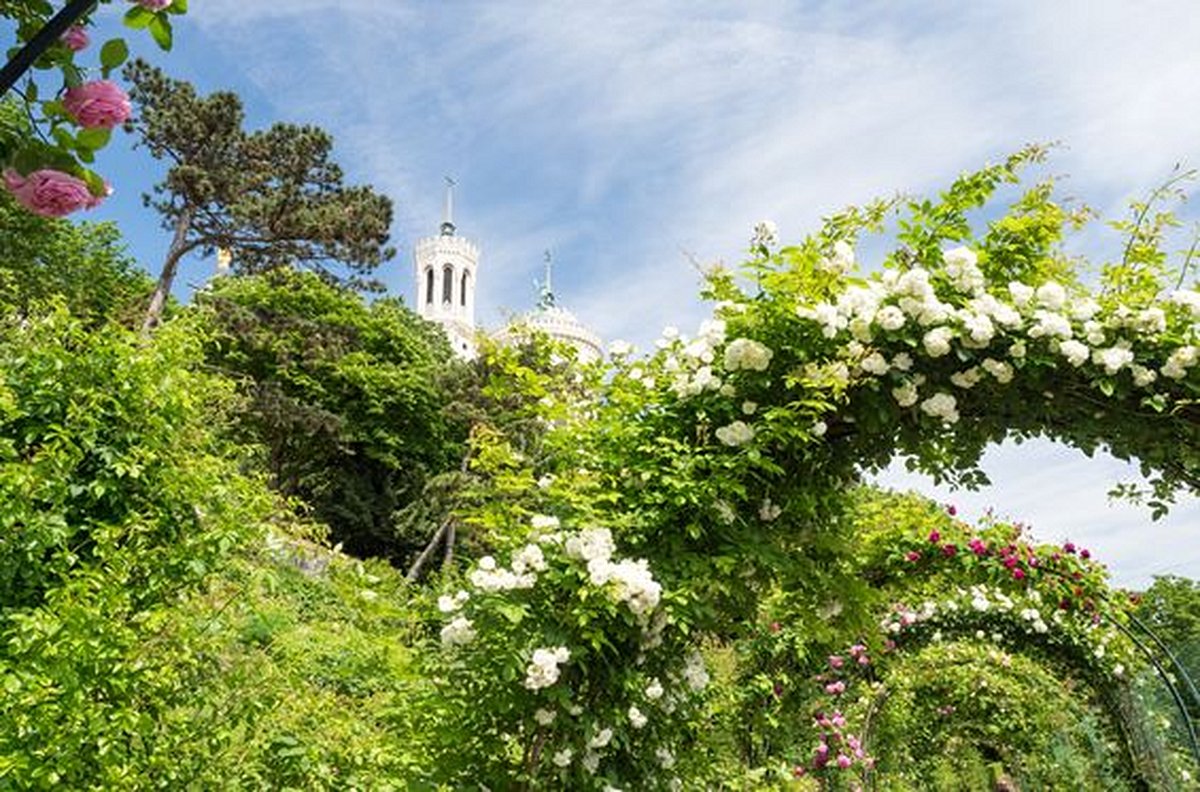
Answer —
446 267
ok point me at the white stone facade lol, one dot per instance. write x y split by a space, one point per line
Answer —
446 271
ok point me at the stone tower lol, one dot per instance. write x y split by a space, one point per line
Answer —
446 268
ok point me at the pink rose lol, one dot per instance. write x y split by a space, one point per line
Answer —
101 104
154 5
835 661
50 193
76 38
844 761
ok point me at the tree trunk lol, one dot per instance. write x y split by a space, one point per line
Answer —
179 246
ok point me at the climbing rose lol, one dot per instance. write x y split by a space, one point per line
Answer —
98 104
76 38
50 193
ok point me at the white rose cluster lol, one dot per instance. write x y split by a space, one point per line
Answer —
543 671
458 632
951 311
487 576
735 434
748 354
627 581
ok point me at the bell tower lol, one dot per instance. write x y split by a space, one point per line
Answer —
446 267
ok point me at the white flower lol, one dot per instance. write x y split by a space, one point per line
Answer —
487 563
458 632
544 716
941 405
543 670
694 672
601 738
591 762
766 234
1186 298
1050 324
937 341
819 428
1084 309
654 690
725 512
980 329
746 353
1075 352
666 759
1152 320
966 379
590 543
448 604
1020 293
735 434
1142 376
563 757
768 511
842 260
634 585
529 557
1113 359
902 361
1003 372
749 407
636 719
906 395
1052 296
620 348
1180 361
962 270
544 522
874 363
545 481
1017 350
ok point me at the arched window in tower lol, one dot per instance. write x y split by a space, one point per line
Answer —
429 285
448 284
462 296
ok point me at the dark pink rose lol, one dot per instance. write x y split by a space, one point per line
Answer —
76 38
934 537
98 104
50 193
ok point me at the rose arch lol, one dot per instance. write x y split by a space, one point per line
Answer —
723 467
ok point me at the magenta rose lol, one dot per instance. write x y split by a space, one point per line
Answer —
50 193
100 103
154 5
76 38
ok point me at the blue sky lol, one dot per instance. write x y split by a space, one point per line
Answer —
633 139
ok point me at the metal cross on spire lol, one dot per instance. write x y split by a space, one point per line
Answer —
546 287
448 208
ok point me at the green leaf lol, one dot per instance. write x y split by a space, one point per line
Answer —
178 7
114 53
160 29
31 92
93 139
139 18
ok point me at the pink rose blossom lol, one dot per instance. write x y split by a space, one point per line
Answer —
863 660
798 771
1018 574
154 5
836 661
1085 554
50 193
1069 548
76 38
951 510
836 688
978 547
98 104
912 556
857 649
949 550
934 537
844 761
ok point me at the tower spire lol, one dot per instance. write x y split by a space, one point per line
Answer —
448 209
547 286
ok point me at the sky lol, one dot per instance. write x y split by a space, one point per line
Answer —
636 140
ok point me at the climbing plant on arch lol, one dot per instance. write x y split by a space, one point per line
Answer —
721 464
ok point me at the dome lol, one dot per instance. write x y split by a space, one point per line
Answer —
561 325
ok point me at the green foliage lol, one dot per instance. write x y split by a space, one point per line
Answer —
350 401
83 264
116 501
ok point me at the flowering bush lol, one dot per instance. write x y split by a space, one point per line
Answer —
75 119
562 668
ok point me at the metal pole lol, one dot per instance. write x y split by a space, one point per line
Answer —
42 41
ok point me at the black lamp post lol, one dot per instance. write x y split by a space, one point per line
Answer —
43 40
